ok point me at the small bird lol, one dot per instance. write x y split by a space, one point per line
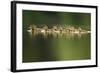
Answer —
29 30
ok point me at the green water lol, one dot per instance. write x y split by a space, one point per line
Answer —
40 49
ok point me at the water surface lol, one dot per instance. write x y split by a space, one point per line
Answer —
40 48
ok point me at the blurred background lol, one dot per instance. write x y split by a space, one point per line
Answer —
40 49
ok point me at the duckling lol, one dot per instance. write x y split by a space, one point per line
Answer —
29 29
43 31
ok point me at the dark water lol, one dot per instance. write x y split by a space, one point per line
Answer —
39 48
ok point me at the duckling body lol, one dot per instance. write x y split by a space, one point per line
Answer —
29 30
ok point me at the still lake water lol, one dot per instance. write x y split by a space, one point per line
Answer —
40 48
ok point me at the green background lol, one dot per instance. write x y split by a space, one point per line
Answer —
39 49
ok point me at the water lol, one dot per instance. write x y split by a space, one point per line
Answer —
53 47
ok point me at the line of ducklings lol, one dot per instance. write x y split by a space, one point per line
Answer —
56 29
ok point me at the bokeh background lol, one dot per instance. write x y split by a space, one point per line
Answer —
39 49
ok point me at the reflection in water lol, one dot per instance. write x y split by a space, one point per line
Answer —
41 45
57 35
